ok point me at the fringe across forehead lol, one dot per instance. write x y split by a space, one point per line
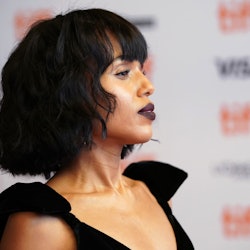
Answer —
94 28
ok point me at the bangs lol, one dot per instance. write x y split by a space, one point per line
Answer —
128 36
133 45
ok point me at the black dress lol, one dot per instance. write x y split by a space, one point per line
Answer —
162 179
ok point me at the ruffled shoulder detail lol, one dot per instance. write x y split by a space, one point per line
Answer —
30 197
35 197
162 179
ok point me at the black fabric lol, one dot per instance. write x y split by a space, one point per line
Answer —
162 179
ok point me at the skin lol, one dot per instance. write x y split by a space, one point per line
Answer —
94 185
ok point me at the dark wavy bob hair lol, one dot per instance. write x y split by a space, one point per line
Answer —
52 91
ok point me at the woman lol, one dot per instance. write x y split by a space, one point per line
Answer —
75 101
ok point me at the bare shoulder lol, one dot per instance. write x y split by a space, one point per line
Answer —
31 231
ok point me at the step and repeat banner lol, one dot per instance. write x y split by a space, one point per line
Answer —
200 65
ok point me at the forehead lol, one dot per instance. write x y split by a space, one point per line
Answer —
117 49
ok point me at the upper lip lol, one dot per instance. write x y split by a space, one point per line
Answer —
148 108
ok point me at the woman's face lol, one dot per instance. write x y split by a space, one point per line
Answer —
131 122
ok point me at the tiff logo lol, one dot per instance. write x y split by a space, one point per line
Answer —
234 67
235 119
24 19
234 16
236 221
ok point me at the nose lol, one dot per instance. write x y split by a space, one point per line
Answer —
146 87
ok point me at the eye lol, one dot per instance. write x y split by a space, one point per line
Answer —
123 74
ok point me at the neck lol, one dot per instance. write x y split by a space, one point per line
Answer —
97 170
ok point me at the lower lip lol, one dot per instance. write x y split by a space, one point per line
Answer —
149 115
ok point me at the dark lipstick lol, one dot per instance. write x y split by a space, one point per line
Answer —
147 112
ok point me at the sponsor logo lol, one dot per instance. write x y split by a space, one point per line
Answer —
145 22
236 221
234 16
238 68
239 170
24 19
235 119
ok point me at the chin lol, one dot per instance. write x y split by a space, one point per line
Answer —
138 136
138 140
145 138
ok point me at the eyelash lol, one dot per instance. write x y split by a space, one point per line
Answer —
122 74
126 72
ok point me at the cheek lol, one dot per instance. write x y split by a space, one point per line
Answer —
124 107
121 118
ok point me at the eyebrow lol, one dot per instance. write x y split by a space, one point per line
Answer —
121 57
